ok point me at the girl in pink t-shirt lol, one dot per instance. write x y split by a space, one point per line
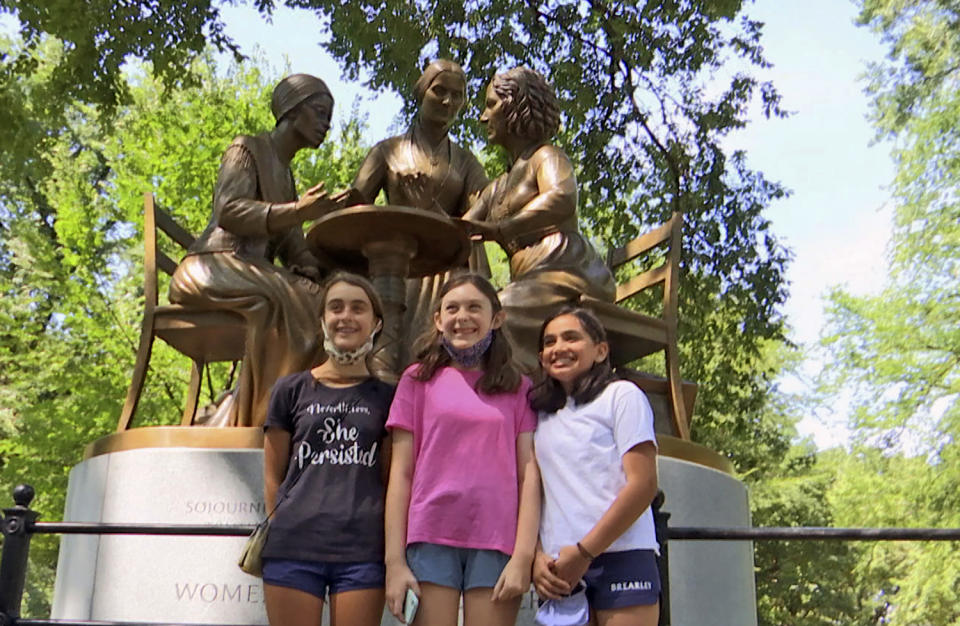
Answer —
463 501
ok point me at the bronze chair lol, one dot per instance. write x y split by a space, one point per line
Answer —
634 335
205 336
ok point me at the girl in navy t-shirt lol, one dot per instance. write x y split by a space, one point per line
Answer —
324 470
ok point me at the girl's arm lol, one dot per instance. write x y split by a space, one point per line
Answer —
276 456
640 467
399 576
386 454
515 578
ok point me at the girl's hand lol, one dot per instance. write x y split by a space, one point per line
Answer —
514 580
545 579
399 579
571 565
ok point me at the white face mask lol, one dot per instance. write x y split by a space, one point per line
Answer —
348 357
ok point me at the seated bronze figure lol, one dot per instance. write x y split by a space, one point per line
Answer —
256 218
531 210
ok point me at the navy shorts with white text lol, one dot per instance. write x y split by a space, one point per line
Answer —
619 579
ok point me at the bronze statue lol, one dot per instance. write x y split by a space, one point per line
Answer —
257 217
424 169
531 210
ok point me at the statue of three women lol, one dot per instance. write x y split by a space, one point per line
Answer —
530 211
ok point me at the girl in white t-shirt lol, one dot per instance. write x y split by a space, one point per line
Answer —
597 452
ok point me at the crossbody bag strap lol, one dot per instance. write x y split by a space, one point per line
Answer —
286 491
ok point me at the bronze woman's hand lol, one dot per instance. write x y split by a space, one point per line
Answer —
314 204
479 230
414 185
307 271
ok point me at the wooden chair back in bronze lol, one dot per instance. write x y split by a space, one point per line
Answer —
633 335
206 336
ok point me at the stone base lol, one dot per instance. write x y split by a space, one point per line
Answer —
711 582
195 580
156 578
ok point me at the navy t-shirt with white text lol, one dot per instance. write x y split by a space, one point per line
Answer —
334 511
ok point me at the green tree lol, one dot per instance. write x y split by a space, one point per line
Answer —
898 352
902 347
802 583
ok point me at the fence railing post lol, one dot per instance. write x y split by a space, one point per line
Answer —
16 548
661 522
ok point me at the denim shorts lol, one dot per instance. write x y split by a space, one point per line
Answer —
317 577
460 568
619 579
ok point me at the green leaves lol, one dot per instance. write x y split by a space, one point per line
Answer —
900 350
897 353
105 34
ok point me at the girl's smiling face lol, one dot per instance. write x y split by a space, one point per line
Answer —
569 351
466 316
348 315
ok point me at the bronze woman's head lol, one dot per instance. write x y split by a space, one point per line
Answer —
529 104
293 91
441 91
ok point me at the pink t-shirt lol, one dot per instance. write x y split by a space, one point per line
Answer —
464 490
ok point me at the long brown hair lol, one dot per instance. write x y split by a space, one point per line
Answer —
500 373
548 394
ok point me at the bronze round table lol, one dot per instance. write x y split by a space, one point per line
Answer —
390 244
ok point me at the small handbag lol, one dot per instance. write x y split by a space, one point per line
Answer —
251 559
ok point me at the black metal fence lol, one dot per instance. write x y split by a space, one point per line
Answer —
20 524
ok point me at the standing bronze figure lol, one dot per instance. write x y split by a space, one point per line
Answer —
257 217
424 169
531 210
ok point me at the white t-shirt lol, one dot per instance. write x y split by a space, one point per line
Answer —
580 451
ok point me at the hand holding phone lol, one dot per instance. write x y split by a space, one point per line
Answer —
410 605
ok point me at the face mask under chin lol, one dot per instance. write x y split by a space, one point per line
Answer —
348 357
471 356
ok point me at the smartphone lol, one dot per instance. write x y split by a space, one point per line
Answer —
410 605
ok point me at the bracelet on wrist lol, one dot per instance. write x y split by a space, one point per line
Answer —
584 553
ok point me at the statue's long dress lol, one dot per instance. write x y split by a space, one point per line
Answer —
551 262
449 177
230 267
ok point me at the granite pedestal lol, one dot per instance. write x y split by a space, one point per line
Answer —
195 580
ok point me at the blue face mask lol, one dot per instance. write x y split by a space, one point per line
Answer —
469 357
